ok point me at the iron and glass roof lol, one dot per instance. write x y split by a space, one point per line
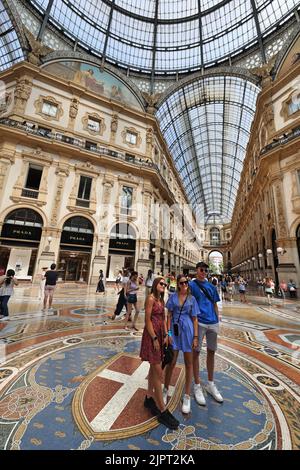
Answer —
206 124
10 47
166 36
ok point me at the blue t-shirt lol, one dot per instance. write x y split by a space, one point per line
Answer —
207 308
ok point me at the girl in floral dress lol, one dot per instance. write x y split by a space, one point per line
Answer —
153 340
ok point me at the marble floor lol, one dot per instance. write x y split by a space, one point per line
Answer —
71 378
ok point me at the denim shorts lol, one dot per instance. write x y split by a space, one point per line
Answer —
132 299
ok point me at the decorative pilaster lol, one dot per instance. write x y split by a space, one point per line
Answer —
73 111
113 128
149 142
22 93
62 173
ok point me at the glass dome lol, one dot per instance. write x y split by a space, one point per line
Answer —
166 36
206 124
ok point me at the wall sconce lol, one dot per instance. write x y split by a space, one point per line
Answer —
249 261
281 250
260 255
49 240
269 252
164 253
153 250
253 258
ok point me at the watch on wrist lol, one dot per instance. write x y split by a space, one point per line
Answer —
154 338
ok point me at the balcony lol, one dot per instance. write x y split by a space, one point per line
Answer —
85 145
32 193
83 202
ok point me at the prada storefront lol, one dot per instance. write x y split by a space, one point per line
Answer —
121 253
75 249
19 242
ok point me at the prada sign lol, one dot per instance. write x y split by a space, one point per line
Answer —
21 232
122 244
76 238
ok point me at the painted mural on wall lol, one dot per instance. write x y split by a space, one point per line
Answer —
95 80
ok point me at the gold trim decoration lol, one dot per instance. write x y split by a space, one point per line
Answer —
96 117
132 130
83 424
38 104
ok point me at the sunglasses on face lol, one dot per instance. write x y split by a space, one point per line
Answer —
163 284
203 270
182 283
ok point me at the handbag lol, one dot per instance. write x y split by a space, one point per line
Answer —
168 355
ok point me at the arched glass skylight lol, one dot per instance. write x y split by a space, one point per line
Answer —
167 36
206 124
10 48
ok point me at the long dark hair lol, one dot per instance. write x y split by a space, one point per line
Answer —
154 291
9 273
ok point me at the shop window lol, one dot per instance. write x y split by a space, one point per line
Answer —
33 181
84 191
49 109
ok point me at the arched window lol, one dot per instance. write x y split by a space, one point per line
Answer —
215 236
24 216
22 224
78 224
123 231
77 231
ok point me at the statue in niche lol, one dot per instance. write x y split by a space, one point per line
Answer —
22 92
73 108
37 49
114 123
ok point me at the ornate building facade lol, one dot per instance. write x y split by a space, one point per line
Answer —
266 221
86 179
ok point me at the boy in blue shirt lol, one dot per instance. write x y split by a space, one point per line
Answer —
207 297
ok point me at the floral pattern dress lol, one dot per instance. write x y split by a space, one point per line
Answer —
148 352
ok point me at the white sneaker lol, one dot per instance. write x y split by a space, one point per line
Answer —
186 405
4 319
165 395
199 397
213 391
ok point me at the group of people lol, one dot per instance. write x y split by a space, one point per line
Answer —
192 315
46 289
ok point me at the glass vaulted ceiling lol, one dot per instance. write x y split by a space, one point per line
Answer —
167 36
10 48
206 124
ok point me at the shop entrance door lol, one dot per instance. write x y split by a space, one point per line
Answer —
74 267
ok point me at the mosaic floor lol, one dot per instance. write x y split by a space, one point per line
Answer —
71 379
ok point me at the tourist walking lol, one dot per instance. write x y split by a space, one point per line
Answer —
51 278
7 283
122 301
42 284
153 340
149 281
242 290
131 290
100 285
182 327
269 289
207 297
